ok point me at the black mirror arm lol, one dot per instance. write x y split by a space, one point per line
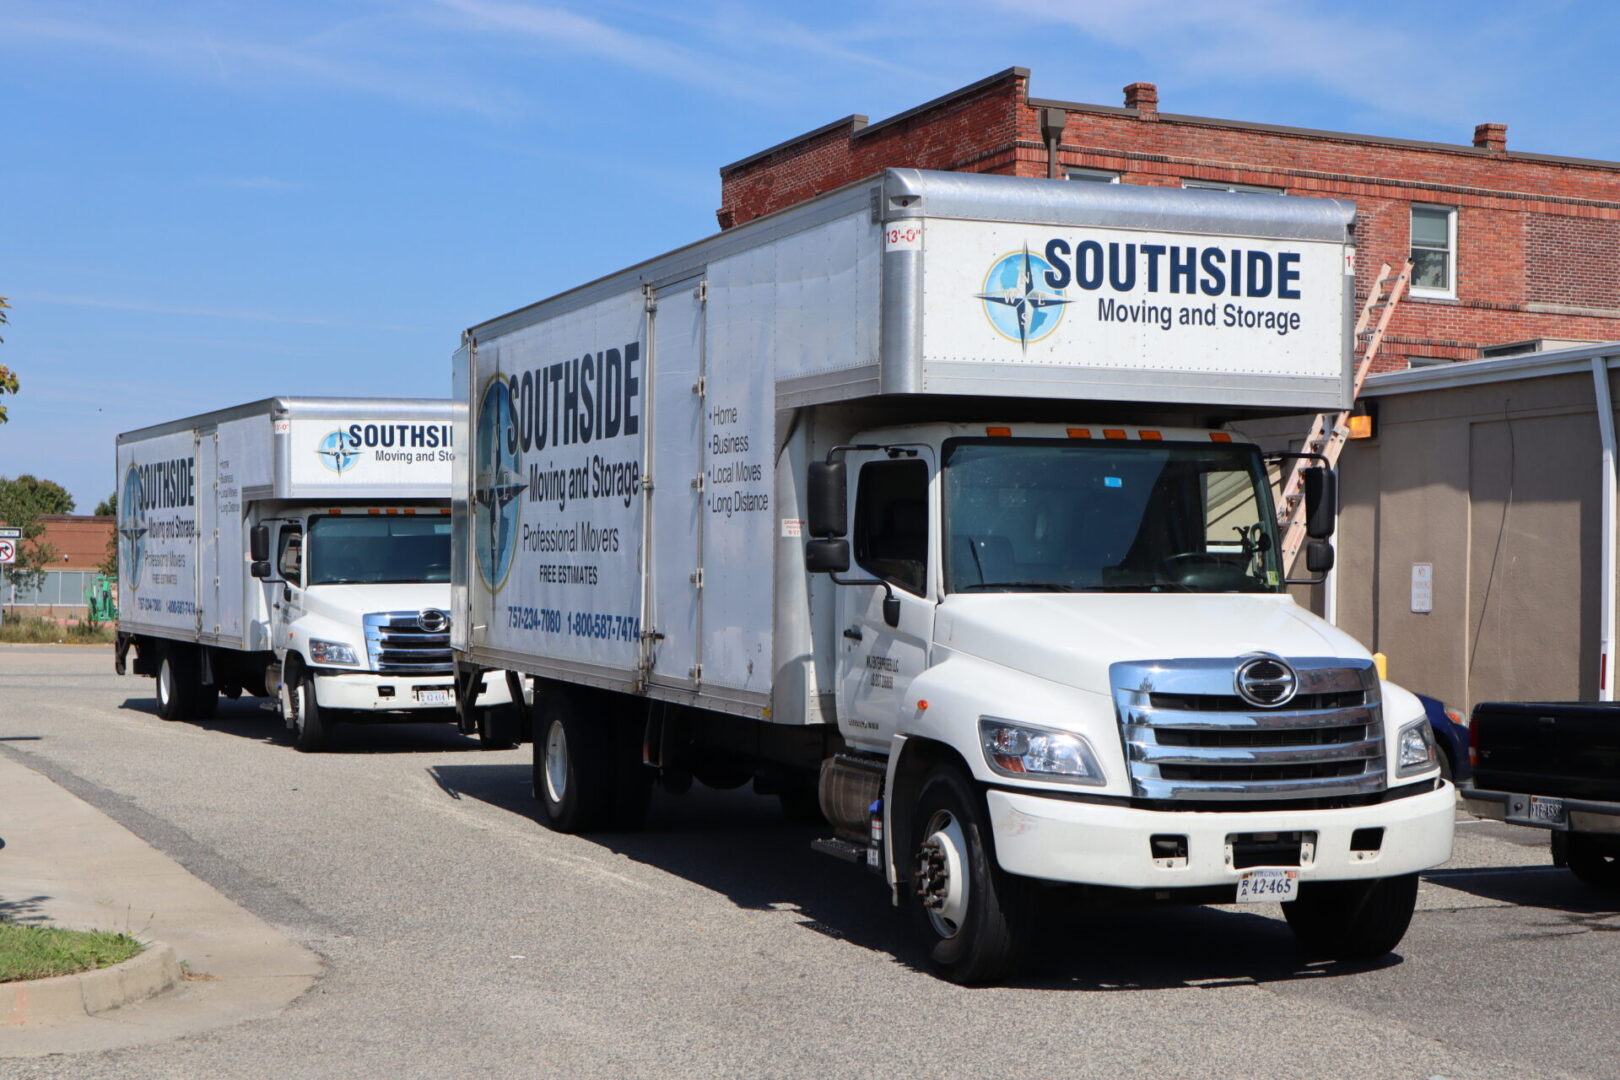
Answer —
891 602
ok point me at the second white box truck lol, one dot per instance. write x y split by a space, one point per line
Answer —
296 548
918 503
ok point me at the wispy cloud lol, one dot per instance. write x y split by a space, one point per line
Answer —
239 60
583 35
148 308
1392 65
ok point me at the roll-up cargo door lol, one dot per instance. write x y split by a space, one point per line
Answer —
675 563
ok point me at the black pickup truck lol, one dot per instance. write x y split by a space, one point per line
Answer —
1555 766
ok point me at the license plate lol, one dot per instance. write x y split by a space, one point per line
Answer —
1547 811
433 697
1267 886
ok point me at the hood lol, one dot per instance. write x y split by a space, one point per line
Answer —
348 603
1073 638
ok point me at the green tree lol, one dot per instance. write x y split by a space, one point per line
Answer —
23 502
8 378
108 507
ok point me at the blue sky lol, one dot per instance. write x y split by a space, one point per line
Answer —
203 203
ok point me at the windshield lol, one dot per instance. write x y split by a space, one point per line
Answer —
392 550
1059 515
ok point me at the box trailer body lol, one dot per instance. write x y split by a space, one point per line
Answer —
361 488
1006 380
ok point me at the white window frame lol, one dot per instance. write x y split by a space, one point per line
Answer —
1429 291
1217 185
1093 176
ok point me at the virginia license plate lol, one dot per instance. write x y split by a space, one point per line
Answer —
1267 886
433 697
1547 811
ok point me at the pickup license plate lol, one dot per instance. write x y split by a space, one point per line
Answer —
433 697
1546 811
1268 886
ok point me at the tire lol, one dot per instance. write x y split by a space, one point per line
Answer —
1592 862
176 683
311 724
573 768
1352 920
500 727
977 934
1446 772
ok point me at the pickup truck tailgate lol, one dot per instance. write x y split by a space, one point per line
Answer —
1567 749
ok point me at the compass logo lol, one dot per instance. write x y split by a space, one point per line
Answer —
336 452
1015 305
132 529
497 484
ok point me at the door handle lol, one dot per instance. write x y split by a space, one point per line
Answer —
853 633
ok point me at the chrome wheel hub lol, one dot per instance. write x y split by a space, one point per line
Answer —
556 763
942 883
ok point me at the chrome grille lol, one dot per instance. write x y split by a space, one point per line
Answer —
1188 734
398 644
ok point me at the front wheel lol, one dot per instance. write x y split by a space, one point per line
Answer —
975 917
1591 861
1352 920
310 723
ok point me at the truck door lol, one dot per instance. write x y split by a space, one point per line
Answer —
284 588
891 539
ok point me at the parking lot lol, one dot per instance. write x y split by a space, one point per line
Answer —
459 935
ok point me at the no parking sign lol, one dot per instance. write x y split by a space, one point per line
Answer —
8 551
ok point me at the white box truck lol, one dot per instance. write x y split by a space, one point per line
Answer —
296 548
1064 655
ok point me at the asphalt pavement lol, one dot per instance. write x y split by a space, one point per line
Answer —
459 936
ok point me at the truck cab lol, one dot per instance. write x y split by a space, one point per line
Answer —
357 600
1073 650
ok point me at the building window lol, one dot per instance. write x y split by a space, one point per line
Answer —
1094 176
1434 251
1216 185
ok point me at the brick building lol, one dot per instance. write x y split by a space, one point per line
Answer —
1513 251
80 545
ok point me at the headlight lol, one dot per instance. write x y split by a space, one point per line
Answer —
1414 747
330 652
1013 749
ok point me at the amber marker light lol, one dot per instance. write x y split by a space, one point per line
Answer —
998 432
1150 436
922 705
1079 433
1219 436
1113 433
1361 427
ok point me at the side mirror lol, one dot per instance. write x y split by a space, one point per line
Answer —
260 568
827 499
1319 556
1321 502
891 608
826 556
259 544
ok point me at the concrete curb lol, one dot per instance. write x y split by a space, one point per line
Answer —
40 1002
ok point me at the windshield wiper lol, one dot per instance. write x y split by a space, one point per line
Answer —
1033 586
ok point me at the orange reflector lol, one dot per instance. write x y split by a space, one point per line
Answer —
408 510
1219 436
1113 433
1150 436
374 510
445 510
998 432
390 511
922 705
334 510
1079 433
1361 427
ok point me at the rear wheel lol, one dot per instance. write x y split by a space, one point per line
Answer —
177 683
1592 861
587 762
1352 920
975 917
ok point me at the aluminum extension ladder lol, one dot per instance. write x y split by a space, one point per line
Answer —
1331 430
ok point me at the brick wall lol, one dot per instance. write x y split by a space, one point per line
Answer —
1538 240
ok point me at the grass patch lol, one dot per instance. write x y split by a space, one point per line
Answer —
33 630
38 952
